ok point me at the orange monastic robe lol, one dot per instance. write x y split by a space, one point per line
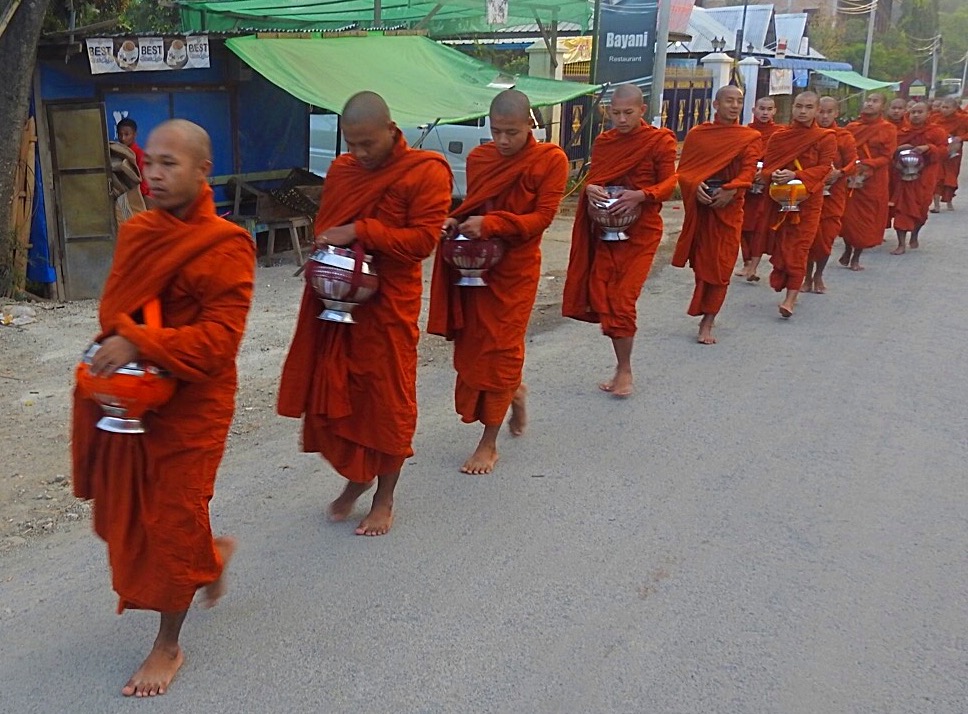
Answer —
954 125
710 237
355 384
903 125
518 197
835 203
605 278
809 152
912 199
151 491
867 209
756 237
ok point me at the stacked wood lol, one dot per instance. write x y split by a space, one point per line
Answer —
23 208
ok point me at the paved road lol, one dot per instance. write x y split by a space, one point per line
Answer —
775 524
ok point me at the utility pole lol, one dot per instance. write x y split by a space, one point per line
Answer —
935 51
964 75
377 13
659 61
870 39
740 34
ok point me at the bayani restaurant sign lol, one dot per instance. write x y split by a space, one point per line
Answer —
626 41
147 54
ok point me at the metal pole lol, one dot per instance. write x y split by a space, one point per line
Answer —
964 76
870 39
741 34
934 68
377 13
659 61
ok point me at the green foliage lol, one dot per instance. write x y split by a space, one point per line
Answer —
132 15
510 61
151 16
954 33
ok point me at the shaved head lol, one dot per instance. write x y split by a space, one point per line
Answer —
196 139
811 96
918 113
366 108
764 110
829 102
727 91
628 93
805 106
827 112
511 104
766 102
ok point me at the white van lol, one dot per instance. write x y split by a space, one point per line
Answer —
454 141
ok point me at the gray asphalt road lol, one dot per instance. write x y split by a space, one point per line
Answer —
775 524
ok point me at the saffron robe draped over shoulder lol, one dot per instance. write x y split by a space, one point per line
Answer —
867 207
956 125
605 278
809 152
518 196
756 236
151 491
354 385
912 199
835 203
709 240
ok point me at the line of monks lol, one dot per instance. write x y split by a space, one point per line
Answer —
354 386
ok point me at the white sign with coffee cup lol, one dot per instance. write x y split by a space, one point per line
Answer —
147 54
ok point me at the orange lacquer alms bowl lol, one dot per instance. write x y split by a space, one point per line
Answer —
126 395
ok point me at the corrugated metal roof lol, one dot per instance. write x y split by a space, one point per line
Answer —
791 27
757 28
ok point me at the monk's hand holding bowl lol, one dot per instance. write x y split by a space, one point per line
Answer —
723 198
782 176
449 227
626 202
704 194
115 352
472 226
338 236
596 193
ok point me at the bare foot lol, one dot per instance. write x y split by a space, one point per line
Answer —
786 311
914 244
754 278
706 331
807 286
856 267
899 250
378 521
519 412
819 288
935 210
620 386
156 673
844 260
482 461
340 509
213 592
951 206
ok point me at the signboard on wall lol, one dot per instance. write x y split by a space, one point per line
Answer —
626 41
147 54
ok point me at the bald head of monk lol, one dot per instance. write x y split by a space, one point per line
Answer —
178 158
764 110
627 108
828 109
805 106
728 104
368 130
918 114
511 122
873 105
896 110
949 105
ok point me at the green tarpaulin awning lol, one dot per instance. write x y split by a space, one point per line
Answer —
452 16
421 81
855 80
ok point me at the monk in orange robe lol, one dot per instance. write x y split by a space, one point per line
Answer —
605 278
897 114
955 122
912 199
867 209
514 186
756 238
151 491
354 385
801 152
835 200
717 165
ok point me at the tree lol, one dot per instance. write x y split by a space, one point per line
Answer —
18 54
